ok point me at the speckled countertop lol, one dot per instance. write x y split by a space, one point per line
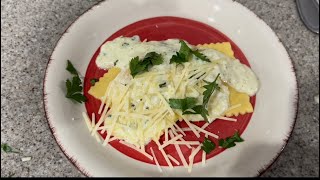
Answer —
29 32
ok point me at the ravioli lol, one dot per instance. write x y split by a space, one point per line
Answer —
240 101
224 47
99 88
139 106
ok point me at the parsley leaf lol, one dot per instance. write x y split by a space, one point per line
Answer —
93 81
208 145
230 141
163 85
153 58
199 109
210 88
183 104
7 149
237 137
178 58
150 59
74 86
200 55
184 49
185 53
188 106
136 67
71 68
78 97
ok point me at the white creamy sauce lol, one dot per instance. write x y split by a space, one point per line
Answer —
121 50
187 81
239 76
124 49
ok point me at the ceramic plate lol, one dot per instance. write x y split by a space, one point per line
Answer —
265 131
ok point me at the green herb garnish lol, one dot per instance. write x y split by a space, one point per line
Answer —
230 141
185 53
136 66
199 109
115 63
71 68
8 149
208 145
150 59
153 58
183 104
200 55
210 88
74 86
93 81
162 85
188 106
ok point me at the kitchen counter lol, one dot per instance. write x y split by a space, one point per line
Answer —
29 32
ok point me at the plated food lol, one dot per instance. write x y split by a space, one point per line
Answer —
150 86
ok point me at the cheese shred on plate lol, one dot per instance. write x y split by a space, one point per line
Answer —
135 106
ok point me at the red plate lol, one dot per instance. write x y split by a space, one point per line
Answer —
162 28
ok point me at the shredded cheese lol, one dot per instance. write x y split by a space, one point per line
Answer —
191 158
133 115
137 149
228 119
101 128
112 139
25 159
97 136
179 129
158 120
187 142
164 154
205 126
110 132
166 104
155 160
186 129
105 113
183 160
86 119
90 125
173 159
100 120
166 134
192 127
172 140
102 105
206 132
181 139
182 76
103 99
93 120
173 129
